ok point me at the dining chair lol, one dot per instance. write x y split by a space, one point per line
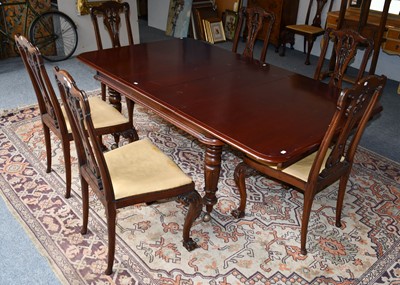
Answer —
255 18
106 119
110 12
331 162
345 44
134 173
310 31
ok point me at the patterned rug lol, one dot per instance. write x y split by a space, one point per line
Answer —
262 248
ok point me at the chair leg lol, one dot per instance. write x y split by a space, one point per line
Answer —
310 46
132 135
240 180
283 42
103 92
308 201
341 193
103 147
67 162
47 141
85 205
195 206
111 218
116 141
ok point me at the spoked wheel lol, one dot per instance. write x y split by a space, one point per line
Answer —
54 33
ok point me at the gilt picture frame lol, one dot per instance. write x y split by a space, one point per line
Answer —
217 31
83 6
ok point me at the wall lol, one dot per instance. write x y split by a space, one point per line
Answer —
86 37
158 14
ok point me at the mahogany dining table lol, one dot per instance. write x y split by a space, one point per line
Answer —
219 97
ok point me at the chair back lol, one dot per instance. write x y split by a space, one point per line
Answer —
354 109
49 105
320 5
90 157
256 18
346 43
111 12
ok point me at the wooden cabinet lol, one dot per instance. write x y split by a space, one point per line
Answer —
285 14
392 43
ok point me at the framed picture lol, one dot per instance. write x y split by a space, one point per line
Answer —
178 18
83 6
230 23
217 31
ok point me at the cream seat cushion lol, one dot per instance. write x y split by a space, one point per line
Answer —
305 29
103 114
140 167
301 169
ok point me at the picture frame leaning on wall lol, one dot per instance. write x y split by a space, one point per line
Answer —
230 20
83 6
217 31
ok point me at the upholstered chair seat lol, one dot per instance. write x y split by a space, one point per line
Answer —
300 169
141 168
104 115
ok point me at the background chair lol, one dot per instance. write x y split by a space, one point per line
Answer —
106 119
345 43
309 31
333 160
110 12
135 173
255 18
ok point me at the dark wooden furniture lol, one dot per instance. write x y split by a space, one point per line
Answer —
110 12
106 120
345 44
255 19
310 31
285 12
380 27
331 162
221 98
135 173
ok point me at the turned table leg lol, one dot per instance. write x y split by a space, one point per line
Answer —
212 168
115 98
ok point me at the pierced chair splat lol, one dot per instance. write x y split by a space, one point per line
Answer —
254 18
345 43
110 12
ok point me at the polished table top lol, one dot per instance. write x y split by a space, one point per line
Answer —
267 112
